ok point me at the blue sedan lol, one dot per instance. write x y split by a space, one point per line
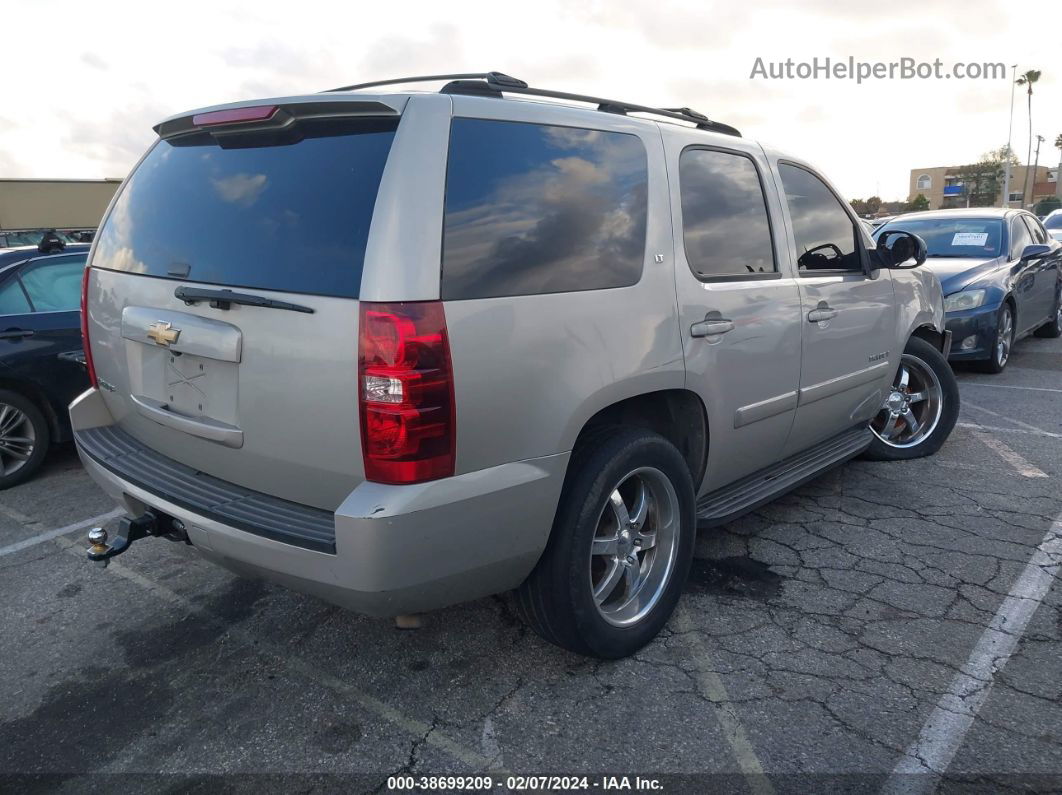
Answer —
40 354
1001 273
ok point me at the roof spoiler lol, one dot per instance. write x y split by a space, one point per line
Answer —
282 115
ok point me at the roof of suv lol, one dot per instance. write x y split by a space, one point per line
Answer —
481 84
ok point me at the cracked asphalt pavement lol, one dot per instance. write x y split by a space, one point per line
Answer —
816 638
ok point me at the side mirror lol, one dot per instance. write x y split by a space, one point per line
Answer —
1035 251
899 249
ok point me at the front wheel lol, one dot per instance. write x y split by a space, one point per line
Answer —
1004 341
620 548
920 409
1052 329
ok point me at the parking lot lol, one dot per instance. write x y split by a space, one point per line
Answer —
849 630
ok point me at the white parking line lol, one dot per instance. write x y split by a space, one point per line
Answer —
1010 386
968 405
945 730
713 689
50 534
1020 465
998 429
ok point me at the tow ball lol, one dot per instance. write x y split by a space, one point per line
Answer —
129 530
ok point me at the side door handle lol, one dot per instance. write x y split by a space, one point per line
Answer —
822 312
712 325
15 333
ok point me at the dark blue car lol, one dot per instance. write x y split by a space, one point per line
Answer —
1001 273
40 354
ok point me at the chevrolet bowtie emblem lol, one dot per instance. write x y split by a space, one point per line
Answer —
163 333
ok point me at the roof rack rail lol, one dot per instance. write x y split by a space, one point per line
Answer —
493 78
495 84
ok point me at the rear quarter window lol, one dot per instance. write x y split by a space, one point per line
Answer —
292 216
533 208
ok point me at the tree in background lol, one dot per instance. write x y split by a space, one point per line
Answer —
1044 206
864 207
983 180
1027 80
917 204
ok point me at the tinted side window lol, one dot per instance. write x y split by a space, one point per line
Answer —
12 299
724 214
55 286
1020 237
825 235
532 208
1037 231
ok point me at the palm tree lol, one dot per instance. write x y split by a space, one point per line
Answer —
1027 79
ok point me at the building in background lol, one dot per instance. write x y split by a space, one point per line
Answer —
58 203
945 186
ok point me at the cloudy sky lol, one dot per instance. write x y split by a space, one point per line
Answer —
81 88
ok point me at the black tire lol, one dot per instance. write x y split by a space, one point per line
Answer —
1052 329
41 439
557 599
881 450
996 362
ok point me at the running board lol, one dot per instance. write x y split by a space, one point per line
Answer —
752 491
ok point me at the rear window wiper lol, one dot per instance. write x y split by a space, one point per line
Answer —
223 299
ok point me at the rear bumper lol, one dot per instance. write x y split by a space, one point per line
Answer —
398 549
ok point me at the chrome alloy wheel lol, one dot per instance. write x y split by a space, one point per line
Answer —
17 439
912 409
634 547
1005 336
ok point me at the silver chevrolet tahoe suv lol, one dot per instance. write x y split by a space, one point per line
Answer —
403 350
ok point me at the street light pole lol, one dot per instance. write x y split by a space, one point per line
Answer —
1036 164
1010 131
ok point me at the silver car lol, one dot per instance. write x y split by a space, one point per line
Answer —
403 350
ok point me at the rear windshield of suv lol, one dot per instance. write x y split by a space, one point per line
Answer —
292 217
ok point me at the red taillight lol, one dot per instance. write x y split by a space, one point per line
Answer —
234 115
407 392
84 329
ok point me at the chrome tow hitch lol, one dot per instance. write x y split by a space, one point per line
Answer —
129 530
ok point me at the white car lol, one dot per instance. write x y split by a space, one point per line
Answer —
1053 224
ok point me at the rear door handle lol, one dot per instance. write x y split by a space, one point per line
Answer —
822 312
712 325
15 333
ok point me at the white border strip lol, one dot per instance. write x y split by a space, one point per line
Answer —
1019 464
32 541
945 730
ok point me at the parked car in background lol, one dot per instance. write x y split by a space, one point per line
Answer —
510 345
41 358
32 237
1053 224
1001 274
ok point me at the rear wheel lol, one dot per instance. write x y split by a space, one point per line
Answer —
620 548
24 438
1004 341
921 408
1053 327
